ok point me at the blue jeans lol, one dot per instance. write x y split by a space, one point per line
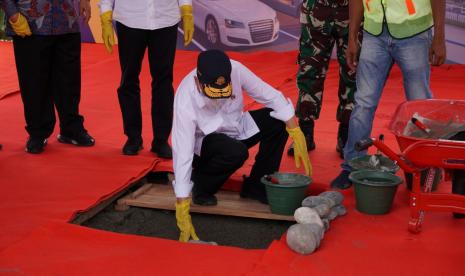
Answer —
378 53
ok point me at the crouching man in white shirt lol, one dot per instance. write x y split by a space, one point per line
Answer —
212 134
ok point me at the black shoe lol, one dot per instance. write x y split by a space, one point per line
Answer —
310 146
290 150
458 215
81 139
162 149
342 181
35 145
262 198
132 146
342 134
205 200
254 191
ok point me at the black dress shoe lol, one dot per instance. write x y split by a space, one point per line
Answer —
162 149
205 200
261 197
132 146
82 139
35 145
342 181
255 191
310 146
458 215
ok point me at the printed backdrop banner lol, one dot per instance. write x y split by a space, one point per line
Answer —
250 25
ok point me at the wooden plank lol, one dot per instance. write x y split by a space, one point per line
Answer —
229 204
142 190
121 204
82 217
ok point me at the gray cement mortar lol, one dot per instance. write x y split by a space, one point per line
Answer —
225 230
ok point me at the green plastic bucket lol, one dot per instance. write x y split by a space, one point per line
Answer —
374 191
362 163
286 195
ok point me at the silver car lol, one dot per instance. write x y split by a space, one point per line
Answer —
236 22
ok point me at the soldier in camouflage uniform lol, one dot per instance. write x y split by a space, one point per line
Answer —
324 23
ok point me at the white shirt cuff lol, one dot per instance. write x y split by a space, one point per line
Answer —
104 7
183 190
185 2
285 113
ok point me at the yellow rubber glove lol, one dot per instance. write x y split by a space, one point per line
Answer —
187 23
20 26
108 34
300 149
184 221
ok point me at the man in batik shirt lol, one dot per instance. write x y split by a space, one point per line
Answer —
47 48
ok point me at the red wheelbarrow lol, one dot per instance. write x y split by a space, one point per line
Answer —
439 119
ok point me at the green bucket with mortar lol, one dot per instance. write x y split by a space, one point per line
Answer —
363 163
285 191
374 190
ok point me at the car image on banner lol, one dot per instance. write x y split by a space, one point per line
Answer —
236 22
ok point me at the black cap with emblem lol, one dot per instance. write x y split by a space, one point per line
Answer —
214 73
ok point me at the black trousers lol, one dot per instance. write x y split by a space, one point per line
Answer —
221 155
161 44
458 176
49 74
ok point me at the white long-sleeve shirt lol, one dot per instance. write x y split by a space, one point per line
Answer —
145 14
196 116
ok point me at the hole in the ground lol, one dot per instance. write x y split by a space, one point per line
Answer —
225 230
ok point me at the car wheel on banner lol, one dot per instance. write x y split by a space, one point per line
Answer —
213 31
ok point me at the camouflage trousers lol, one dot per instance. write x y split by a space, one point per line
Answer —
324 27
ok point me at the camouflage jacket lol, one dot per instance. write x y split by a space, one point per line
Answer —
307 5
45 17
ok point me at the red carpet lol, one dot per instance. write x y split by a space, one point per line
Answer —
66 249
9 79
41 193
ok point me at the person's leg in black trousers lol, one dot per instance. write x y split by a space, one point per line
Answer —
458 176
219 158
66 83
131 46
458 187
272 138
161 52
33 56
